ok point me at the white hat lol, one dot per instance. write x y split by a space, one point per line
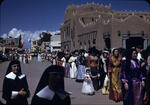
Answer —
87 68
105 51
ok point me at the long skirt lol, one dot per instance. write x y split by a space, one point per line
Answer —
102 78
134 96
39 58
67 70
73 70
20 58
94 72
105 89
24 60
81 72
115 91
87 87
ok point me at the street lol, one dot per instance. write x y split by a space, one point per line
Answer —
34 70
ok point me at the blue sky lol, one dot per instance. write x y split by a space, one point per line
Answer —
47 15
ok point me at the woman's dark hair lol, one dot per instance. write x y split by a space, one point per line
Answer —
60 55
115 50
128 56
122 51
81 51
93 51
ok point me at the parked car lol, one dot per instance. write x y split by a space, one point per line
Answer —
3 58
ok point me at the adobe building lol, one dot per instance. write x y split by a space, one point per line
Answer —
55 43
10 44
98 25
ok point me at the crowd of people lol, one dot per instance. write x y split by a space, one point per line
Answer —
123 74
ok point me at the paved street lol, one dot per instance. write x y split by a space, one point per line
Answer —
34 71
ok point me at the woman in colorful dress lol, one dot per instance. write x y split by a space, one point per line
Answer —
81 67
93 63
104 72
114 69
132 79
147 85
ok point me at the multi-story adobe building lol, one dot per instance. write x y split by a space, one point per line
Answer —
98 25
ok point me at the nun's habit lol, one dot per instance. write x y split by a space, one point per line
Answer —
13 83
1 103
50 90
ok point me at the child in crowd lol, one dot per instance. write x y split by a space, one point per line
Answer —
87 87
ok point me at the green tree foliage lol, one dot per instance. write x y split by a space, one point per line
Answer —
1 40
44 37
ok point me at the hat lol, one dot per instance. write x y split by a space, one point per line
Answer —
87 68
105 51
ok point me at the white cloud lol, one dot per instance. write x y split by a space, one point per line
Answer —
54 32
4 36
27 35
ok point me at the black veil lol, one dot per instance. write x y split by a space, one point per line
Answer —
47 79
44 81
14 62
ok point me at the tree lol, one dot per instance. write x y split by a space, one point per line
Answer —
1 40
44 37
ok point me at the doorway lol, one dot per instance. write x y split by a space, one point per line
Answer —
107 43
134 41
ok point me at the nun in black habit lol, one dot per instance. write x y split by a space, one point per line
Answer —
1 103
15 86
50 90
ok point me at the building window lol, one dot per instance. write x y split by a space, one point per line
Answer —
74 44
94 41
141 16
89 42
119 33
107 43
80 43
83 20
64 34
69 30
91 9
92 19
